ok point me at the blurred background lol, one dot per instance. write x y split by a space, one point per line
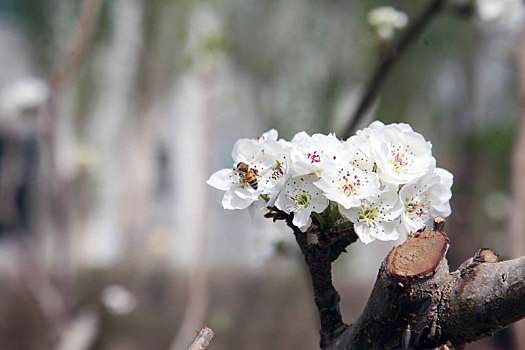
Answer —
114 113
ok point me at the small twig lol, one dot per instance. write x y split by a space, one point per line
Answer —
203 339
391 54
439 224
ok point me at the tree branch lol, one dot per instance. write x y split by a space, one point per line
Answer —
319 257
203 339
390 55
417 303
483 299
79 43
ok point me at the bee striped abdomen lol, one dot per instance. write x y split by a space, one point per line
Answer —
251 178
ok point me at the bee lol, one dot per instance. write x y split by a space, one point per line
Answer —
248 174
243 167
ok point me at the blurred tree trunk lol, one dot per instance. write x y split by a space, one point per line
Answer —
517 216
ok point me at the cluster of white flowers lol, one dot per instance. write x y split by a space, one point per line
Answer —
384 179
385 20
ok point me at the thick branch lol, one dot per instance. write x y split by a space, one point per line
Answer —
484 299
434 307
389 57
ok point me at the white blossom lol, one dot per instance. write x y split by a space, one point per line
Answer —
385 20
424 199
506 14
376 217
23 95
313 154
348 185
401 155
364 159
267 157
273 180
384 179
118 300
301 198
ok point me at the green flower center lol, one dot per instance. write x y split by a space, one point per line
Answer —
369 215
303 200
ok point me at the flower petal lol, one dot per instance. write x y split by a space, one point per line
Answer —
221 180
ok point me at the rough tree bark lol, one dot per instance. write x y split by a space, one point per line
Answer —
416 302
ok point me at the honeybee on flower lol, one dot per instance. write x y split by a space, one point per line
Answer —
249 175
265 162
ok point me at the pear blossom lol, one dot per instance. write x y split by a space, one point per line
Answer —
401 155
348 185
356 154
385 20
301 197
313 154
362 137
424 199
361 141
383 180
376 217
273 181
266 156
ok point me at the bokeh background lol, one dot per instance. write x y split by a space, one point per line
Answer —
114 113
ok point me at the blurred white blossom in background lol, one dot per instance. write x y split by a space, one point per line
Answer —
385 20
23 96
118 300
88 158
507 14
